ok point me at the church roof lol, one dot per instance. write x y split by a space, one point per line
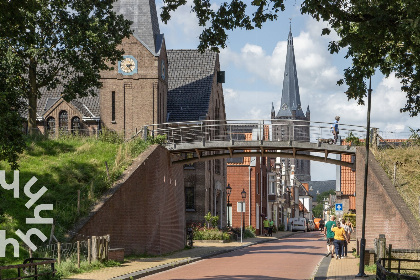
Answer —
145 24
88 106
190 83
290 98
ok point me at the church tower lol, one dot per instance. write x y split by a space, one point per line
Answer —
135 92
291 123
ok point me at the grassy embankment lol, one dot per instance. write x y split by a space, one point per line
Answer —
63 166
406 162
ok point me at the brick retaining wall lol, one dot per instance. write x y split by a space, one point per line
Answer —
386 211
145 210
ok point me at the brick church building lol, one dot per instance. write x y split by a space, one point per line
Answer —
150 85
291 112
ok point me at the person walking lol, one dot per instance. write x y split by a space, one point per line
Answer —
270 229
334 129
348 230
266 224
330 236
339 238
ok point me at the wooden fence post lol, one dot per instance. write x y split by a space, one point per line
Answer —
89 244
108 238
78 254
389 257
94 249
58 252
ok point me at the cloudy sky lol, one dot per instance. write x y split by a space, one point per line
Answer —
254 63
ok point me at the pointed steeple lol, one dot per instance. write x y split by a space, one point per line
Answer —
145 24
290 100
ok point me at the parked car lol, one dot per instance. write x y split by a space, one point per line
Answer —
298 224
311 225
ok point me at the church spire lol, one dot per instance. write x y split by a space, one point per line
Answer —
290 100
145 24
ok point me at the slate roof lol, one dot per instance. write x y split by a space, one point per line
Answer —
88 106
290 93
145 24
190 82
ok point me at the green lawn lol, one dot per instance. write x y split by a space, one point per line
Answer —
64 166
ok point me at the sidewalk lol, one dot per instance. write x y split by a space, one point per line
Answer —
329 268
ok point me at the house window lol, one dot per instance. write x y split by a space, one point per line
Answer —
51 125
113 106
272 188
63 121
189 198
75 125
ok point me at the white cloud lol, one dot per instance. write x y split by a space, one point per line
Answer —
182 30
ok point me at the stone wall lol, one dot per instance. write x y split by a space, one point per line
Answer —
145 210
386 212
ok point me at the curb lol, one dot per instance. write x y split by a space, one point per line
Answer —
164 267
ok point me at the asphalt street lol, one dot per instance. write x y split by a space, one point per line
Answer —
295 257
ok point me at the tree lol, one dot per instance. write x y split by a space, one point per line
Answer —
319 208
12 106
61 43
378 34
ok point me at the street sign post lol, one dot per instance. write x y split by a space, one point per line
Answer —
339 207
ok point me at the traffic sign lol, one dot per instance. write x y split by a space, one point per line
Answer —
339 207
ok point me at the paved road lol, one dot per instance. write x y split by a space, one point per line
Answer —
296 257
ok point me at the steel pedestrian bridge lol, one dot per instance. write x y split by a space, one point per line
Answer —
193 141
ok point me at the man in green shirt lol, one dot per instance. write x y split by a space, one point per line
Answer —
266 224
330 235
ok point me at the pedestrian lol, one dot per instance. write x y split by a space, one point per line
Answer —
266 224
334 129
330 236
270 229
348 230
339 237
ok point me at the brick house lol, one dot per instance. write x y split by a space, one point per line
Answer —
251 175
196 95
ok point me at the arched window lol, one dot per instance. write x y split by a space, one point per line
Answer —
63 120
51 125
75 125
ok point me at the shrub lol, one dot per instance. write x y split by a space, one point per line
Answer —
281 227
210 234
211 220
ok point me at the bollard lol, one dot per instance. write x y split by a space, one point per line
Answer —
94 249
381 246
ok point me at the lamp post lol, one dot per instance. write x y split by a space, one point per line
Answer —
228 192
243 193
363 239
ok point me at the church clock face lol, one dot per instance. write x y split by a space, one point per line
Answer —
284 107
128 65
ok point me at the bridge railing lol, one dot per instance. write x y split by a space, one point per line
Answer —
245 130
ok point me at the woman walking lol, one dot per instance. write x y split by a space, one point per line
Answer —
339 238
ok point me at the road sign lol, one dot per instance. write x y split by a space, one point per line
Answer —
339 207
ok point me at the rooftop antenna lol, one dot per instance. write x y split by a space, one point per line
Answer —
290 21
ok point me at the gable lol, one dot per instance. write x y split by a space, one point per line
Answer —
191 76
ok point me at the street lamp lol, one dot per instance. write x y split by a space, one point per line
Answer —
228 191
243 193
